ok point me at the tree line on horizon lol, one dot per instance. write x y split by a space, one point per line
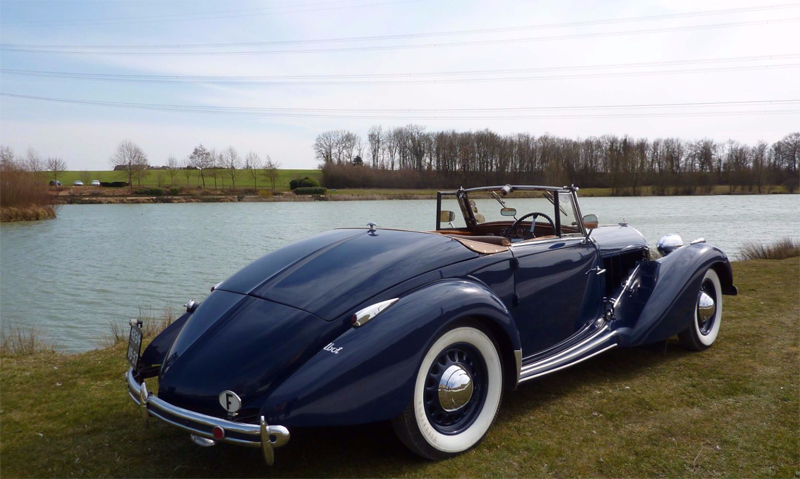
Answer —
130 160
209 164
412 157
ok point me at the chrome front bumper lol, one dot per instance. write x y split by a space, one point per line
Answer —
243 434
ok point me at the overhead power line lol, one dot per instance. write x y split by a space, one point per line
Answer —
256 12
422 45
399 76
446 113
230 81
407 36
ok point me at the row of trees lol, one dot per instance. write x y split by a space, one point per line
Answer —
32 162
450 158
207 163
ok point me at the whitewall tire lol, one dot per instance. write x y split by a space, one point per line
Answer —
457 394
704 329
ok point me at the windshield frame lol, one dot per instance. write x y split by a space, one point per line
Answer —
462 196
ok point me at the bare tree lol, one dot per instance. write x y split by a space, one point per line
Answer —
187 170
271 172
212 168
130 159
172 171
232 163
141 173
6 158
56 166
252 163
34 162
200 159
324 146
375 138
85 177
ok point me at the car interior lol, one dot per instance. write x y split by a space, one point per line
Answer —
538 216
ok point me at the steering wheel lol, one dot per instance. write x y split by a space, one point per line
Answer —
535 214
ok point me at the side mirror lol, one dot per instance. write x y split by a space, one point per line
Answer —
590 222
447 216
508 212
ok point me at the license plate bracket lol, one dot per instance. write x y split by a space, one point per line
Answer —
135 343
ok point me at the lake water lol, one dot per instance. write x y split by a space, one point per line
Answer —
96 264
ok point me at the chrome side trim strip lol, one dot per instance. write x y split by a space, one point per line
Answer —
566 352
544 373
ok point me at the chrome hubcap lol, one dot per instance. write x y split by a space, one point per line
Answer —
455 388
705 306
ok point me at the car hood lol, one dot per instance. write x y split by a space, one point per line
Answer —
331 273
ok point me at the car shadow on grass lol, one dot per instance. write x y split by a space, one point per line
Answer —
374 450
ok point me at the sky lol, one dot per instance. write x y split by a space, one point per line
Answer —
713 69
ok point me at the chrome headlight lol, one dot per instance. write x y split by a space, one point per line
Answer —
669 243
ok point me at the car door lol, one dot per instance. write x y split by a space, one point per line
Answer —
557 290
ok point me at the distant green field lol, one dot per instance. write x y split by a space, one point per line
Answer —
243 178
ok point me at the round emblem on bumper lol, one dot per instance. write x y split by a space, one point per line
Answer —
230 401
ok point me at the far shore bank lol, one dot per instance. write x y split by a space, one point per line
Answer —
99 197
127 200
105 196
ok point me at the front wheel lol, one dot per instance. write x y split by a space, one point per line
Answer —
703 331
457 394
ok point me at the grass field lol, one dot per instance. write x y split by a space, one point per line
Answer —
243 179
731 411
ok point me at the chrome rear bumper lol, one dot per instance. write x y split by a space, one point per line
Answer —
243 434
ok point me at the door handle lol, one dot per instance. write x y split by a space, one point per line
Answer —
598 271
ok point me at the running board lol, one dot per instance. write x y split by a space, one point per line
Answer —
600 341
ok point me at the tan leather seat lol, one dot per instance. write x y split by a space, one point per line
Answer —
498 240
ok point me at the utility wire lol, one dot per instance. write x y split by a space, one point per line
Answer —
235 81
417 113
409 75
423 45
209 15
407 36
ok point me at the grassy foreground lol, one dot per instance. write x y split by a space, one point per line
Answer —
659 411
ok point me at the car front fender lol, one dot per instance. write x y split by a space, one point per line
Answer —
367 374
661 295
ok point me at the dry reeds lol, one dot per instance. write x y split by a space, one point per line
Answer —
152 324
23 341
23 195
781 249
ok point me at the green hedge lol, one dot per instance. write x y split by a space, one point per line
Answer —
310 191
150 191
303 183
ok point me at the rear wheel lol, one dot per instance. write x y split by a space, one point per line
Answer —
703 331
457 394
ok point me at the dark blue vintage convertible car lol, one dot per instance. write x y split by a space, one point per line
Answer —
425 329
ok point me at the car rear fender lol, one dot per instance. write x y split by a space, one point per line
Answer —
158 348
367 374
661 295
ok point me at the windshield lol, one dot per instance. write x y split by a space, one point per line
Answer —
494 212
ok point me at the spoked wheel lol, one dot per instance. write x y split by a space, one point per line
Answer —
457 394
703 331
